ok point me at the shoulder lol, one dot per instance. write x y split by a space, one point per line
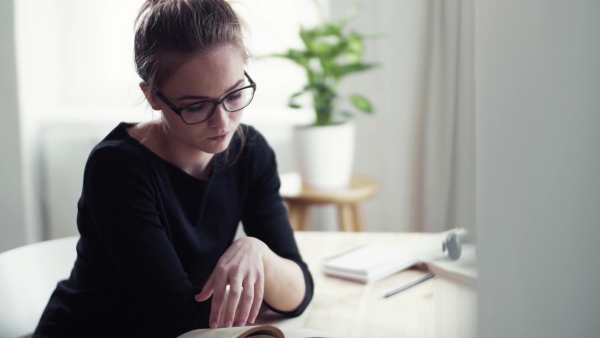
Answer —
248 145
255 142
115 147
115 153
258 152
259 157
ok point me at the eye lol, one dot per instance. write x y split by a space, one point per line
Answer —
235 96
199 107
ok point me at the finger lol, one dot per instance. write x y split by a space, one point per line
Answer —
222 318
207 290
235 292
219 290
259 289
245 304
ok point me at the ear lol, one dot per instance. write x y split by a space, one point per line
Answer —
152 99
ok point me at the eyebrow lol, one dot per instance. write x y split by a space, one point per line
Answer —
198 97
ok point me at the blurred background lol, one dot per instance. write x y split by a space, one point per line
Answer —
73 80
510 88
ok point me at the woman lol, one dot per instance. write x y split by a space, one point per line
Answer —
162 200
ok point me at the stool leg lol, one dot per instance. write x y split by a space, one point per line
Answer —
294 215
299 216
304 219
345 215
359 225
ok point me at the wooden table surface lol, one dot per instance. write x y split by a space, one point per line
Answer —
440 307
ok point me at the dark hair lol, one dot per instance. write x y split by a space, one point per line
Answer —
168 32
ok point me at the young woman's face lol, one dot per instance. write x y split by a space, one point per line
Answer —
204 77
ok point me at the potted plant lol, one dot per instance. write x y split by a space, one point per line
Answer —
325 148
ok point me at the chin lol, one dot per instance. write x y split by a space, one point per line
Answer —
216 148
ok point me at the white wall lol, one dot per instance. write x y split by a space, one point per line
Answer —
538 163
76 79
12 203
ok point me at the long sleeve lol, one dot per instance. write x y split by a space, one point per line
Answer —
265 216
122 204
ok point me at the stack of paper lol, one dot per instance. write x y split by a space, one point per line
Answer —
369 263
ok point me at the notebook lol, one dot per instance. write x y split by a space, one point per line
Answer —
369 263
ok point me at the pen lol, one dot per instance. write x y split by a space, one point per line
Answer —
409 285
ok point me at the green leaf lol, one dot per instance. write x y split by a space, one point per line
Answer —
295 95
299 57
361 103
355 48
292 103
306 36
333 28
343 70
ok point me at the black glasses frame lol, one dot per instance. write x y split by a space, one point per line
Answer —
179 110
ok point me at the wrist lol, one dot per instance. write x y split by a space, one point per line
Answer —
267 255
261 248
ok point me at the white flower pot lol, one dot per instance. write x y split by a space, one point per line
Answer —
325 154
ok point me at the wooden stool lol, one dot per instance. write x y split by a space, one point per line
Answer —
347 199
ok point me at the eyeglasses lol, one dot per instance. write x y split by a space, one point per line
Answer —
201 111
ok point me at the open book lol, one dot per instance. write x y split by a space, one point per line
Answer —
369 263
257 331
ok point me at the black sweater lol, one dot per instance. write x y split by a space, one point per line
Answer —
151 236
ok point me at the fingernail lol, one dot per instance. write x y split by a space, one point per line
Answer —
251 320
228 323
213 324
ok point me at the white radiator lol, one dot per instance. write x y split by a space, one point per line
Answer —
64 151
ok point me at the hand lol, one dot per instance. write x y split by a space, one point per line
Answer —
241 267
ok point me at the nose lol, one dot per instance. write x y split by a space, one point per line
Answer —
220 118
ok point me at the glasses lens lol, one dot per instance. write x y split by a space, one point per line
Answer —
198 112
239 99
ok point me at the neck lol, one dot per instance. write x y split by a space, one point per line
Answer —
191 160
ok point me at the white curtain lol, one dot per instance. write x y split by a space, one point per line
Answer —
420 142
443 191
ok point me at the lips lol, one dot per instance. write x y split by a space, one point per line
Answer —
219 137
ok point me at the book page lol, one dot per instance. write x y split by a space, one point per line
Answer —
307 333
258 331
267 331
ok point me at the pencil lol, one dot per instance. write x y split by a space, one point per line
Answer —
409 285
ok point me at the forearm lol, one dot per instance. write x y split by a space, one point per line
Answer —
284 282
